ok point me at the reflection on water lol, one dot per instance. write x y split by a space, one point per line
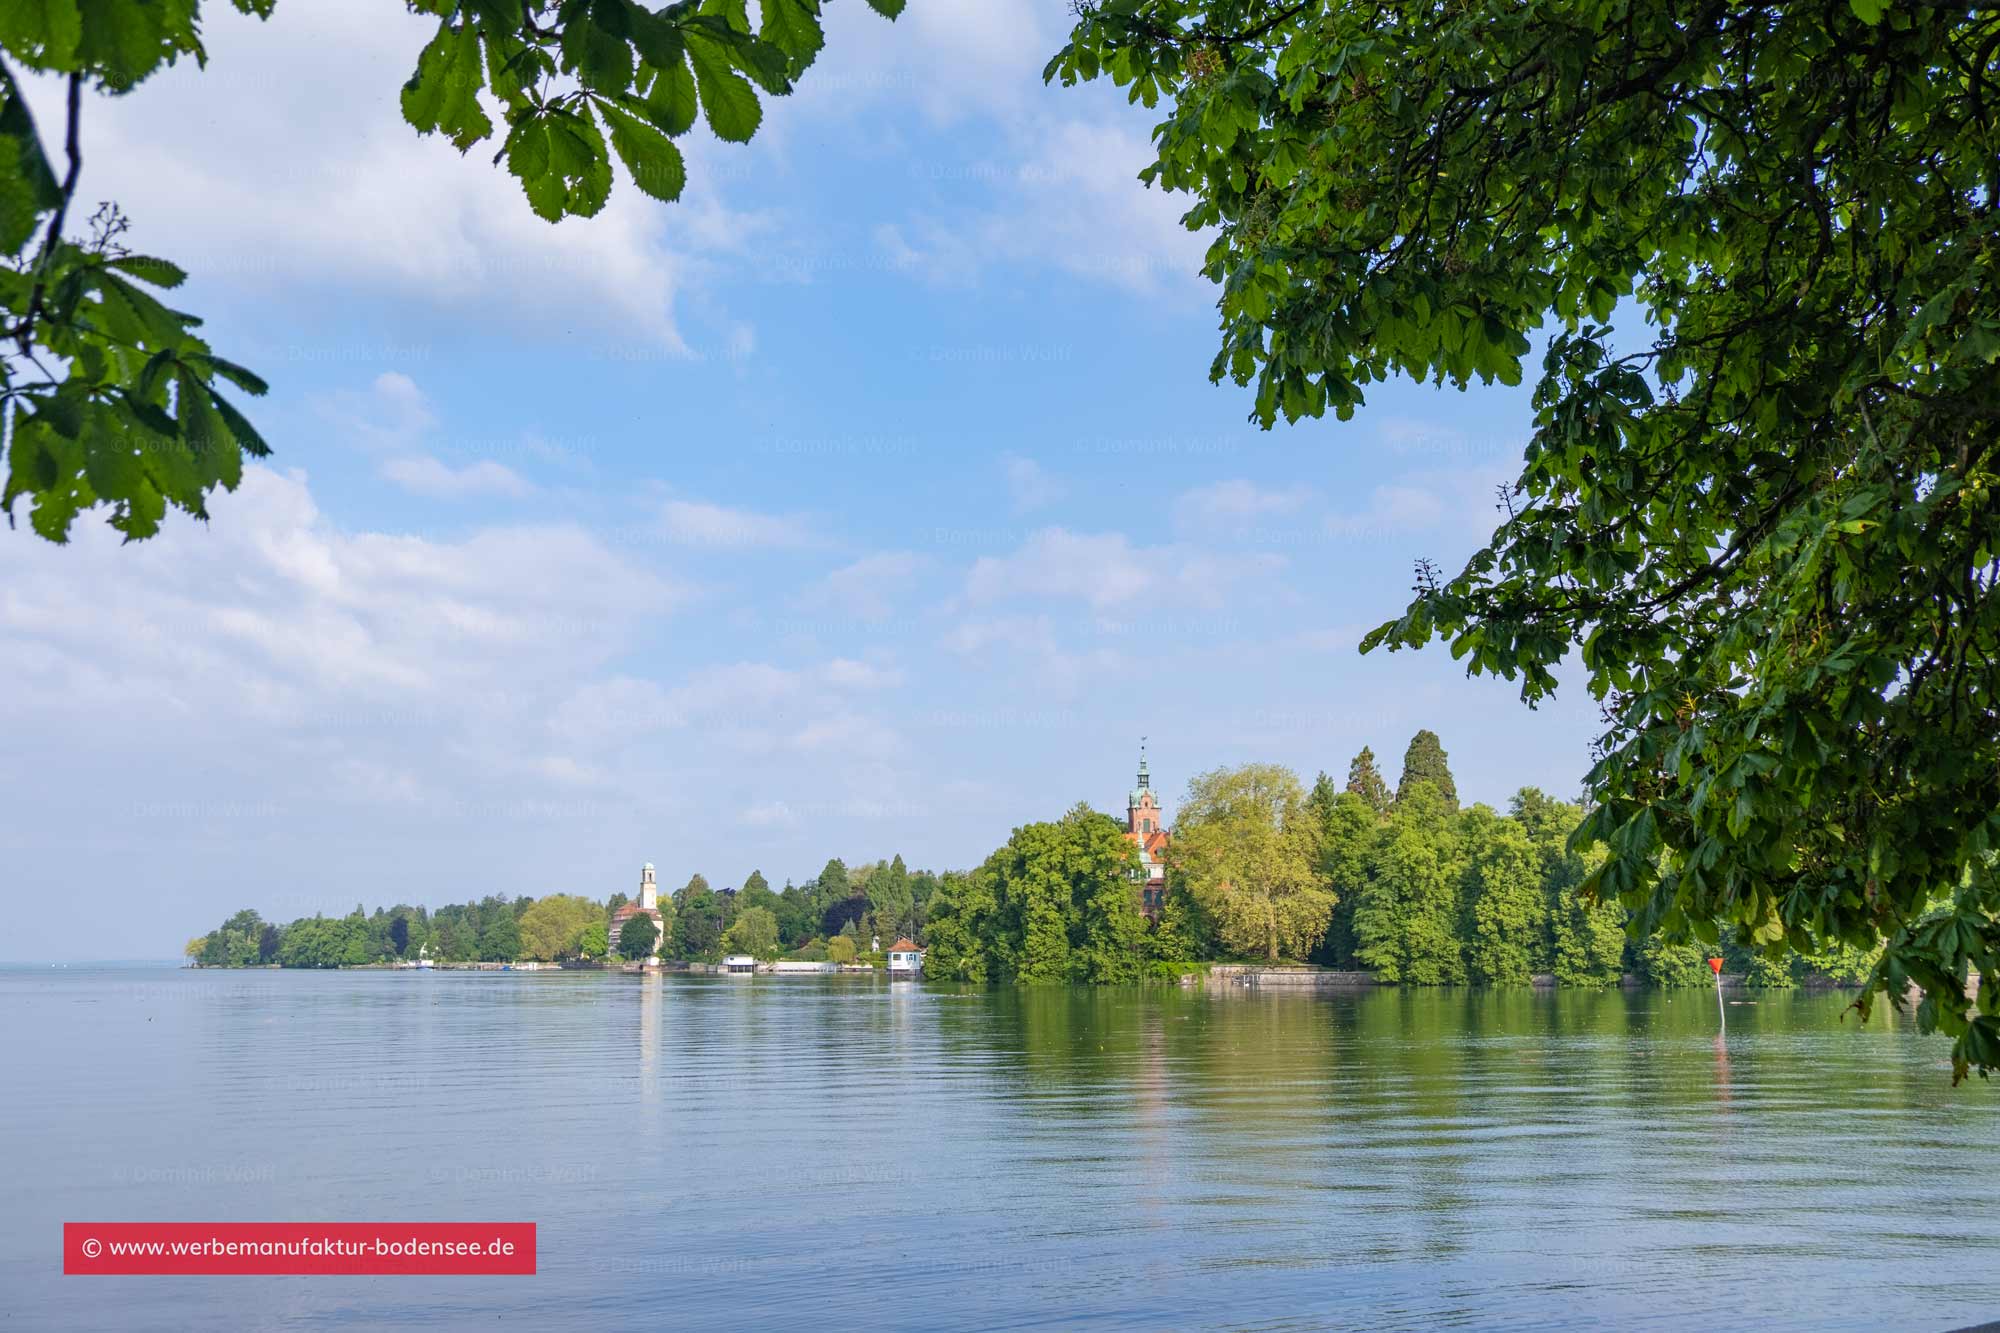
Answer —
744 1151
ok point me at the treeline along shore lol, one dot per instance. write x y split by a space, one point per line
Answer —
1402 883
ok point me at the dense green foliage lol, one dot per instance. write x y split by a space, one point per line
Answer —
1057 903
700 915
553 927
1407 915
1244 850
1440 896
637 937
755 932
1770 520
107 397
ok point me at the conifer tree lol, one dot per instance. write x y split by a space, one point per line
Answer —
1424 761
1365 781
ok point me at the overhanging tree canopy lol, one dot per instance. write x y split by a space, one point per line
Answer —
1768 520
107 397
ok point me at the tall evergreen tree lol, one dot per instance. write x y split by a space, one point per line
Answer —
1365 781
1424 761
1320 800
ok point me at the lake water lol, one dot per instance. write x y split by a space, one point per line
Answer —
740 1152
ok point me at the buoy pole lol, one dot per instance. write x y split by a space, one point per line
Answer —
1721 1014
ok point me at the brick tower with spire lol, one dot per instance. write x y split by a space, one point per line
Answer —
1148 831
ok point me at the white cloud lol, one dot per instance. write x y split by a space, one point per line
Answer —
695 523
392 413
951 59
286 165
1391 510
427 476
748 696
1425 501
1031 485
850 735
1236 504
1106 571
372 647
866 588
1070 199
846 673
1028 647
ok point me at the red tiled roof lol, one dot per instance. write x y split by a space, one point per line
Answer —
630 910
902 946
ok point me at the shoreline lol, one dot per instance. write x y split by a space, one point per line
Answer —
1277 977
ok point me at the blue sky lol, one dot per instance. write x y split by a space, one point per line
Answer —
873 499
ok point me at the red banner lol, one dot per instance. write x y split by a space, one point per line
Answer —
488 1249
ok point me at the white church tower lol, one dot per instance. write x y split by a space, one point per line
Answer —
648 903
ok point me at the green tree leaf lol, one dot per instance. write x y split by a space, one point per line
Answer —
670 102
727 98
28 187
443 93
651 157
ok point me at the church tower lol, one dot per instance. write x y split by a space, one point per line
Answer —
1148 832
649 891
1142 813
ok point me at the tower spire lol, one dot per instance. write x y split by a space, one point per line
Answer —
1144 783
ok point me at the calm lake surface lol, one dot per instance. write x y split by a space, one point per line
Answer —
736 1152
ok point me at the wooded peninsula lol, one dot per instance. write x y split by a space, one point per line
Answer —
1404 883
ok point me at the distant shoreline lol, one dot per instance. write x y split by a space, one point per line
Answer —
1278 977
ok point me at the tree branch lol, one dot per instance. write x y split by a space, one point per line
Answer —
53 237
